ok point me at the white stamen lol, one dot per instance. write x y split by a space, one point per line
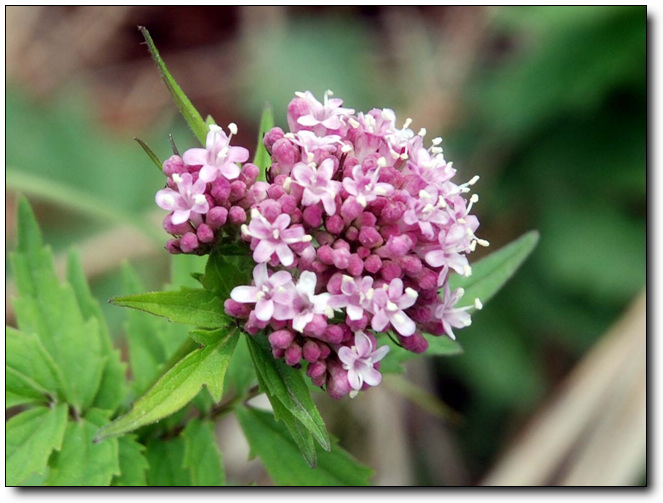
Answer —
382 162
215 128
410 292
468 322
391 306
353 393
436 150
429 208
232 127
353 123
275 234
244 229
407 123
255 213
478 304
199 199
468 270
473 245
425 195
286 184
474 198
289 136
307 238
388 115
462 221
460 292
223 153
483 242
310 156
422 132
362 200
300 94
369 294
404 156
329 92
380 191
441 202
347 279
436 141
346 148
177 178
474 180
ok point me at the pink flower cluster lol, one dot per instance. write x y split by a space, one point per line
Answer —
208 191
354 233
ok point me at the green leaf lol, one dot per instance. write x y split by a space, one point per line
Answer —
272 443
492 272
113 385
81 462
189 306
30 438
190 114
133 464
144 336
30 370
205 366
201 454
50 310
241 373
286 385
153 157
166 460
261 158
221 275
437 346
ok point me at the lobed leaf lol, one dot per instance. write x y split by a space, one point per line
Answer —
204 366
166 460
133 464
221 275
190 114
271 442
202 457
189 306
81 462
30 438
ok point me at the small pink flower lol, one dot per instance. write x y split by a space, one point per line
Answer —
359 361
426 210
218 157
272 295
365 187
451 316
388 305
307 304
353 296
328 114
189 198
317 184
274 237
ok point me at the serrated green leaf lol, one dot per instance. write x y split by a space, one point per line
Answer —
188 306
221 275
272 443
261 158
166 460
491 273
190 114
50 310
202 456
81 462
31 436
241 373
287 385
113 385
30 370
147 352
133 464
205 366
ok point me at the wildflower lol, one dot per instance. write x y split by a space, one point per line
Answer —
307 304
218 157
389 303
359 361
317 184
274 237
187 199
272 296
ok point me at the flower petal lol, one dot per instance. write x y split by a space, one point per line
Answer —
244 294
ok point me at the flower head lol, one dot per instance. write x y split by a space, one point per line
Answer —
187 199
360 359
218 157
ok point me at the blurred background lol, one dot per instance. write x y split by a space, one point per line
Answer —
547 104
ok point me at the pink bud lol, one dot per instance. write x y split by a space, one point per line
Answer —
288 203
278 353
334 283
281 339
326 254
237 190
312 216
390 270
363 252
249 173
293 354
427 279
351 233
220 190
337 381
392 212
416 343
373 264
173 246
189 242
359 324
205 233
341 258
216 217
296 108
177 230
316 369
370 237
316 327
270 209
411 264
271 137
333 334
237 215
311 351
334 224
367 219
285 153
236 309
421 314
256 193
355 265
174 164
351 209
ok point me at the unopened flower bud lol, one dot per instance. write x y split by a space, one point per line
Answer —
281 339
